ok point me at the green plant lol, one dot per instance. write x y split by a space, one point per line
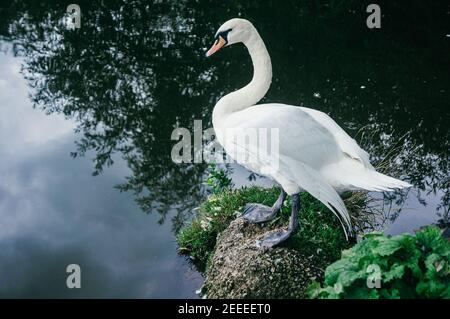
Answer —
218 179
405 266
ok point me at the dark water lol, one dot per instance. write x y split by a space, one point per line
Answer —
135 70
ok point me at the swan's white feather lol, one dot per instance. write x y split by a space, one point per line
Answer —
347 144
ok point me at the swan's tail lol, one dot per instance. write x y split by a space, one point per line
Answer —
374 181
359 178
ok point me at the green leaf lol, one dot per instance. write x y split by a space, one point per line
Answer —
333 272
396 272
313 290
387 246
429 237
362 292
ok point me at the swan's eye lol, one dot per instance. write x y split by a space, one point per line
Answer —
224 35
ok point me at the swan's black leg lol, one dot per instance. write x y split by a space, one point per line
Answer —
258 213
277 236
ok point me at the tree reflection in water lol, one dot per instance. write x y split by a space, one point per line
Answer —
135 70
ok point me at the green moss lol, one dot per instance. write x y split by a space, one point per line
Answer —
319 234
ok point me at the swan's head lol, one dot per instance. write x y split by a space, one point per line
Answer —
233 31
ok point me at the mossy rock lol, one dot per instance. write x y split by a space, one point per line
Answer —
240 270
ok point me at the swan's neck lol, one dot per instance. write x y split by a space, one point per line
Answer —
250 94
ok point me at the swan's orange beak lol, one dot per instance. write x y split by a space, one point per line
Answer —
218 44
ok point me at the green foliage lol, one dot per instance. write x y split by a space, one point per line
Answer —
407 266
319 234
218 179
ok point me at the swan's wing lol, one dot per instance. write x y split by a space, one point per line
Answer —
301 137
347 144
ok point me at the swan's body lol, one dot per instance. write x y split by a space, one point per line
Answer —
315 154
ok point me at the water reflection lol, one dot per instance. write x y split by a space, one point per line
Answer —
134 71
54 213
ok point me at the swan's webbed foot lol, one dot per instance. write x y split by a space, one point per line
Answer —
258 213
277 236
273 238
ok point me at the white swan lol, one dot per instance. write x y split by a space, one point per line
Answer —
314 154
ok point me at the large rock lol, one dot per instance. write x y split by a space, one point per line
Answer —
240 270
